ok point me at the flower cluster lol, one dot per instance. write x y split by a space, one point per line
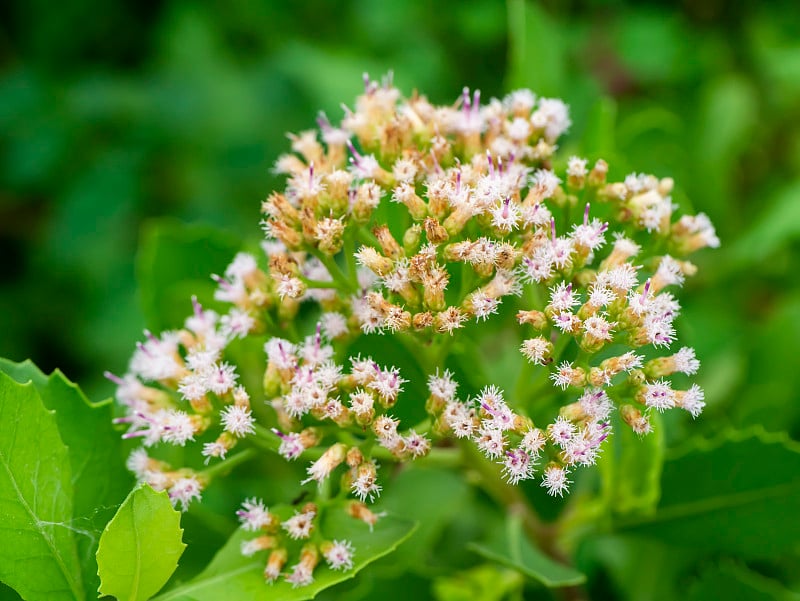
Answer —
275 536
426 223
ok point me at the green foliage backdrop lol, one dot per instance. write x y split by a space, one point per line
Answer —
117 115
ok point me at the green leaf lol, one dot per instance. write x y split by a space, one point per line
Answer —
725 494
433 497
140 546
536 52
230 575
599 137
176 261
630 468
731 581
485 582
511 548
776 227
99 476
38 555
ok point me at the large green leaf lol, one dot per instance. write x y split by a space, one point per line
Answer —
38 555
728 494
233 576
630 468
99 476
140 547
176 261
511 548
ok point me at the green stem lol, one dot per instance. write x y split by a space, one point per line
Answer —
418 349
228 464
350 256
333 268
506 495
320 283
266 438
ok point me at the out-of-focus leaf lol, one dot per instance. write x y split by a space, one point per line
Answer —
652 44
778 225
731 581
230 575
176 261
726 494
432 496
536 53
140 546
482 583
511 548
630 468
99 476
599 136
38 555
619 559
726 120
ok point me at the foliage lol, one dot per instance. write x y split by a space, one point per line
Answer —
117 115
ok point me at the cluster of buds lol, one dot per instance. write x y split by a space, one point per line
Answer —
275 536
307 386
179 388
417 222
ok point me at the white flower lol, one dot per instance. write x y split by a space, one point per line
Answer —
692 400
483 305
339 555
552 116
177 427
561 431
685 361
444 386
184 491
490 440
576 167
659 395
555 480
301 575
237 420
517 466
254 515
562 297
221 378
533 441
299 525
333 324
387 383
237 323
281 353
138 462
416 444
505 216
291 445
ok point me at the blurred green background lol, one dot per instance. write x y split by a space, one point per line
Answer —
113 114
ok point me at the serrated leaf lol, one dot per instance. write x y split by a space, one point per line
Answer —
233 576
99 476
630 468
727 494
38 555
511 548
176 261
140 547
